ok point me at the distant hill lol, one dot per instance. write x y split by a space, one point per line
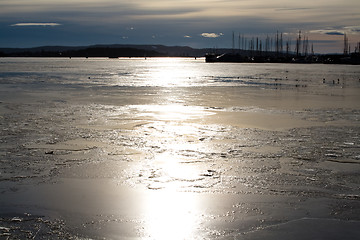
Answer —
115 50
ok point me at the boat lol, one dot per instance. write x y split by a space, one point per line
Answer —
212 57
227 57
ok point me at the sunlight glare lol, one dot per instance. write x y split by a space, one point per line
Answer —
170 212
173 167
170 215
170 72
172 112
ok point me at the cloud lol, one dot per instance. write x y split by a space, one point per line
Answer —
211 35
340 32
35 24
328 31
292 9
352 29
335 33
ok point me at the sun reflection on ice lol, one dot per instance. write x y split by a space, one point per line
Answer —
170 214
175 169
172 168
170 72
171 112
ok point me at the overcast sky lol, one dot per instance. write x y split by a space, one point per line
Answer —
195 23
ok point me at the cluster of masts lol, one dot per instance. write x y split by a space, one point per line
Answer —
279 45
276 44
347 47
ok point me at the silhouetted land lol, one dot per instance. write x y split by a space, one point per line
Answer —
212 55
105 51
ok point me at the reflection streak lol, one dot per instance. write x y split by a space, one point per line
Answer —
170 213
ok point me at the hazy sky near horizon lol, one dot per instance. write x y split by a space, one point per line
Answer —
196 23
